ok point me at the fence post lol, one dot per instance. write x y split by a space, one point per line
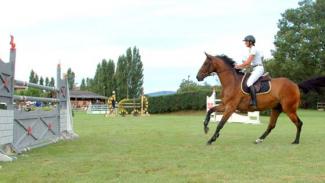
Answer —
58 96
141 102
66 121
7 73
12 60
62 97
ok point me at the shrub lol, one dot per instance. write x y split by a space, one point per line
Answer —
178 102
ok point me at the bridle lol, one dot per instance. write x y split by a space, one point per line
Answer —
218 72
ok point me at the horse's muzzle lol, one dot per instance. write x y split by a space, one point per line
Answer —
199 77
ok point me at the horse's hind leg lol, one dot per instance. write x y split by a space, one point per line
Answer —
295 119
273 119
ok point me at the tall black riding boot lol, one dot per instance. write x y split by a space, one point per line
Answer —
253 96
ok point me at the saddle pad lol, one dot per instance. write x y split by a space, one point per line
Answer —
261 87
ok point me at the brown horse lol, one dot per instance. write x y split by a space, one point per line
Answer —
283 97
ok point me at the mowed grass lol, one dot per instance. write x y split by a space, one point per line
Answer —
172 148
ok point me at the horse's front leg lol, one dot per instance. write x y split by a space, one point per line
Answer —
219 108
228 112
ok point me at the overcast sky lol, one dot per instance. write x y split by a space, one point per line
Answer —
172 35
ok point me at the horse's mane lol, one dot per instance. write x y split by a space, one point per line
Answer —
230 62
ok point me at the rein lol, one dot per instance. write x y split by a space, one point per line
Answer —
215 73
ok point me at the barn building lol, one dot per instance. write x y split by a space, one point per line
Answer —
81 99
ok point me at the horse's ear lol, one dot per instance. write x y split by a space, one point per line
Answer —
209 56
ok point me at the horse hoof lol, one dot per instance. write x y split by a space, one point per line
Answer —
294 142
206 129
258 141
209 143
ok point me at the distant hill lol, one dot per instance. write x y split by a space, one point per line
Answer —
160 93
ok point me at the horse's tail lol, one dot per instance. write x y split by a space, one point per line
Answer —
312 84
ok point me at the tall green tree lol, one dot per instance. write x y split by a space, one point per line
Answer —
36 79
136 74
89 84
300 42
104 74
47 81
52 82
188 85
41 81
32 76
126 79
129 74
300 46
103 82
121 77
129 70
70 78
83 86
110 79
98 84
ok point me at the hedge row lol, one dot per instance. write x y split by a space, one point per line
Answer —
178 102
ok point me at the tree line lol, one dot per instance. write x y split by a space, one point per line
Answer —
300 46
126 78
299 52
36 79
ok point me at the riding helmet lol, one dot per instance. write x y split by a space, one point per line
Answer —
250 38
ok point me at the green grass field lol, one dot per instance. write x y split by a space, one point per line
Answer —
171 148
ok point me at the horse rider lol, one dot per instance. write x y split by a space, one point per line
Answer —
254 60
113 100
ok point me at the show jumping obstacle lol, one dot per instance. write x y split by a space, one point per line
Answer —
22 130
250 118
134 106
